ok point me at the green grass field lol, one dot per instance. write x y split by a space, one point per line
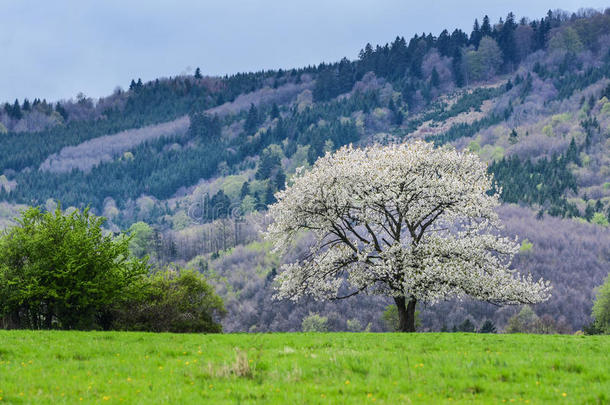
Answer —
98 367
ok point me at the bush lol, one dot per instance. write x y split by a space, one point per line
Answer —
467 326
526 321
314 323
58 270
179 301
354 325
488 327
601 307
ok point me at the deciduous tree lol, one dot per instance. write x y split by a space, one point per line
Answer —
407 221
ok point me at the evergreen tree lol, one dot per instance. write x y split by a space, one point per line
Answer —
488 327
280 180
475 36
204 127
467 326
486 30
589 212
506 40
434 78
245 189
275 112
16 111
326 86
269 197
456 67
61 111
252 120
444 43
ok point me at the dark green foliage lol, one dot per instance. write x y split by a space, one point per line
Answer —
162 167
513 137
434 78
60 271
601 307
467 326
245 189
334 80
543 182
280 180
153 171
179 301
268 163
275 112
463 130
488 327
206 128
252 120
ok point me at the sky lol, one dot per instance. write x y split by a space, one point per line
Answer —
56 49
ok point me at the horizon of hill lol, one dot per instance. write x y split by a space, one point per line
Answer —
188 164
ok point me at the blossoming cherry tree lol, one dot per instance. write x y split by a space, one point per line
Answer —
410 221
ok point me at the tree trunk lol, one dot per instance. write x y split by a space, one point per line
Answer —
406 314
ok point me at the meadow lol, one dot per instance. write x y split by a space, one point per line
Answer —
316 368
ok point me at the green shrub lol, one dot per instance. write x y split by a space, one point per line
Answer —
179 301
314 323
354 325
58 270
601 307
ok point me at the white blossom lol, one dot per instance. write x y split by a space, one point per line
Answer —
404 220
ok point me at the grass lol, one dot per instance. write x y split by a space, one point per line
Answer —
335 368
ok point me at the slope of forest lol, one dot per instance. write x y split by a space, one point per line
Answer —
190 163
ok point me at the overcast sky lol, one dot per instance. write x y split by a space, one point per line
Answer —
55 49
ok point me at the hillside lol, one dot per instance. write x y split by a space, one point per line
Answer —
191 162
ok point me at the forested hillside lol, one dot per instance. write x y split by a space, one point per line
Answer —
188 164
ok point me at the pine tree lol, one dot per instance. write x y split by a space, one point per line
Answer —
589 212
456 67
16 112
61 111
443 43
467 326
245 189
488 327
280 180
506 40
486 29
434 78
275 112
269 196
475 36
251 124
513 136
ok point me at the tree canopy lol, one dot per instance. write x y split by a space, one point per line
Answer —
409 221
59 270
